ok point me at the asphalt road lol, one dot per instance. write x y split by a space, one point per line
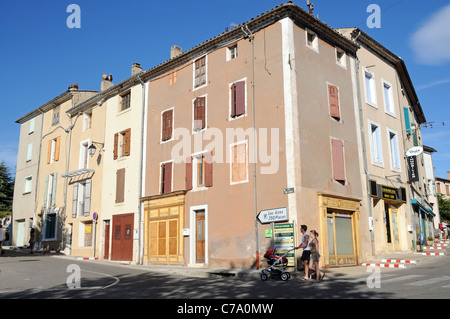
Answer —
49 277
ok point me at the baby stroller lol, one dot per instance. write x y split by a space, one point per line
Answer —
277 265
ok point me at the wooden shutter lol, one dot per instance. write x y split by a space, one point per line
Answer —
120 185
233 100
167 177
75 200
49 152
127 141
167 125
338 160
240 98
57 144
208 170
199 113
87 197
333 98
116 145
189 173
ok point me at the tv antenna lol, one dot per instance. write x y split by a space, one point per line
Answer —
310 6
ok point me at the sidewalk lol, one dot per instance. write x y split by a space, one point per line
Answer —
217 272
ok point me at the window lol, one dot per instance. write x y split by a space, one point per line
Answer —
31 128
312 40
28 184
200 72
120 185
238 99
341 58
166 177
394 151
122 144
199 113
53 150
337 148
81 200
199 171
84 155
86 231
333 101
55 118
50 224
87 121
232 52
375 143
29 151
388 98
50 190
371 95
239 163
125 101
167 125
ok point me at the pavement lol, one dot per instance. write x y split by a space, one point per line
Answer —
217 272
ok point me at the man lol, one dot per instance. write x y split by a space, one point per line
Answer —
2 238
306 251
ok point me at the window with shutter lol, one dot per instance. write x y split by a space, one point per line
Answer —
200 72
338 160
199 113
189 173
238 99
333 100
120 185
167 125
239 163
166 177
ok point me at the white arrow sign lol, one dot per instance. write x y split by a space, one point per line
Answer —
273 215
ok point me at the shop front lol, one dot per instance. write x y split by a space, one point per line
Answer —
339 224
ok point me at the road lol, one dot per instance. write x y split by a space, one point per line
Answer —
48 277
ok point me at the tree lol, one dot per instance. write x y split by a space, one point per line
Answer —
444 207
6 188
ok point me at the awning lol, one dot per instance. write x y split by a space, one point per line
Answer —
78 172
422 207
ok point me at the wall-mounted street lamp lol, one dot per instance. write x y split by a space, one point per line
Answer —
92 149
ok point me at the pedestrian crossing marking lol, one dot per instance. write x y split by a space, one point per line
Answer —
401 278
429 281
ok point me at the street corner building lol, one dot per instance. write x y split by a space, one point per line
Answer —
174 164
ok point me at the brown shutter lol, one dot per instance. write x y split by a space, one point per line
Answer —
120 185
208 170
58 142
49 153
338 160
188 173
199 113
116 143
169 124
333 97
127 142
167 177
240 98
233 100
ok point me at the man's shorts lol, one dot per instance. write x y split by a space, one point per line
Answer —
306 255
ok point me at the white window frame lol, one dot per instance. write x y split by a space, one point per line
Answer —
229 52
52 150
193 72
87 121
372 88
394 150
343 61
193 247
84 154
29 152
55 212
231 146
193 113
195 158
315 41
391 109
376 146
31 127
28 184
160 175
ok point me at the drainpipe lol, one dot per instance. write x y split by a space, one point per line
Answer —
363 138
251 37
141 164
38 241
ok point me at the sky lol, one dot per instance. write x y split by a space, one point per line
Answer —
40 56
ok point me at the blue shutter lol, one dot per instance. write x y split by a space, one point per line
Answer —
407 121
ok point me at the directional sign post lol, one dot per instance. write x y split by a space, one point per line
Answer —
273 215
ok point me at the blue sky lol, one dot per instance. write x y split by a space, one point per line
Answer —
40 56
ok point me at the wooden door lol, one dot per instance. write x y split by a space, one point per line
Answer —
122 242
107 234
200 236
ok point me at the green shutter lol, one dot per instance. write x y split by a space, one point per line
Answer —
407 121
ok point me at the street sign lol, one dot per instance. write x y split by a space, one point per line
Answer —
414 151
284 240
273 215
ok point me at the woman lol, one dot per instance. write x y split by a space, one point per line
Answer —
32 240
315 256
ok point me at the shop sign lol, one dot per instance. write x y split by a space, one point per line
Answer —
413 171
414 151
283 237
388 192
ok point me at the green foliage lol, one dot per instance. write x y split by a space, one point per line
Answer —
444 207
6 188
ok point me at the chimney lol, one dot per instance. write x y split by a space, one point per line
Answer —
448 175
73 87
136 68
175 51
107 82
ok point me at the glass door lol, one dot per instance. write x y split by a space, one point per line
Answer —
341 242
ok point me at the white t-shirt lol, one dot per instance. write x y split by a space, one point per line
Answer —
303 241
